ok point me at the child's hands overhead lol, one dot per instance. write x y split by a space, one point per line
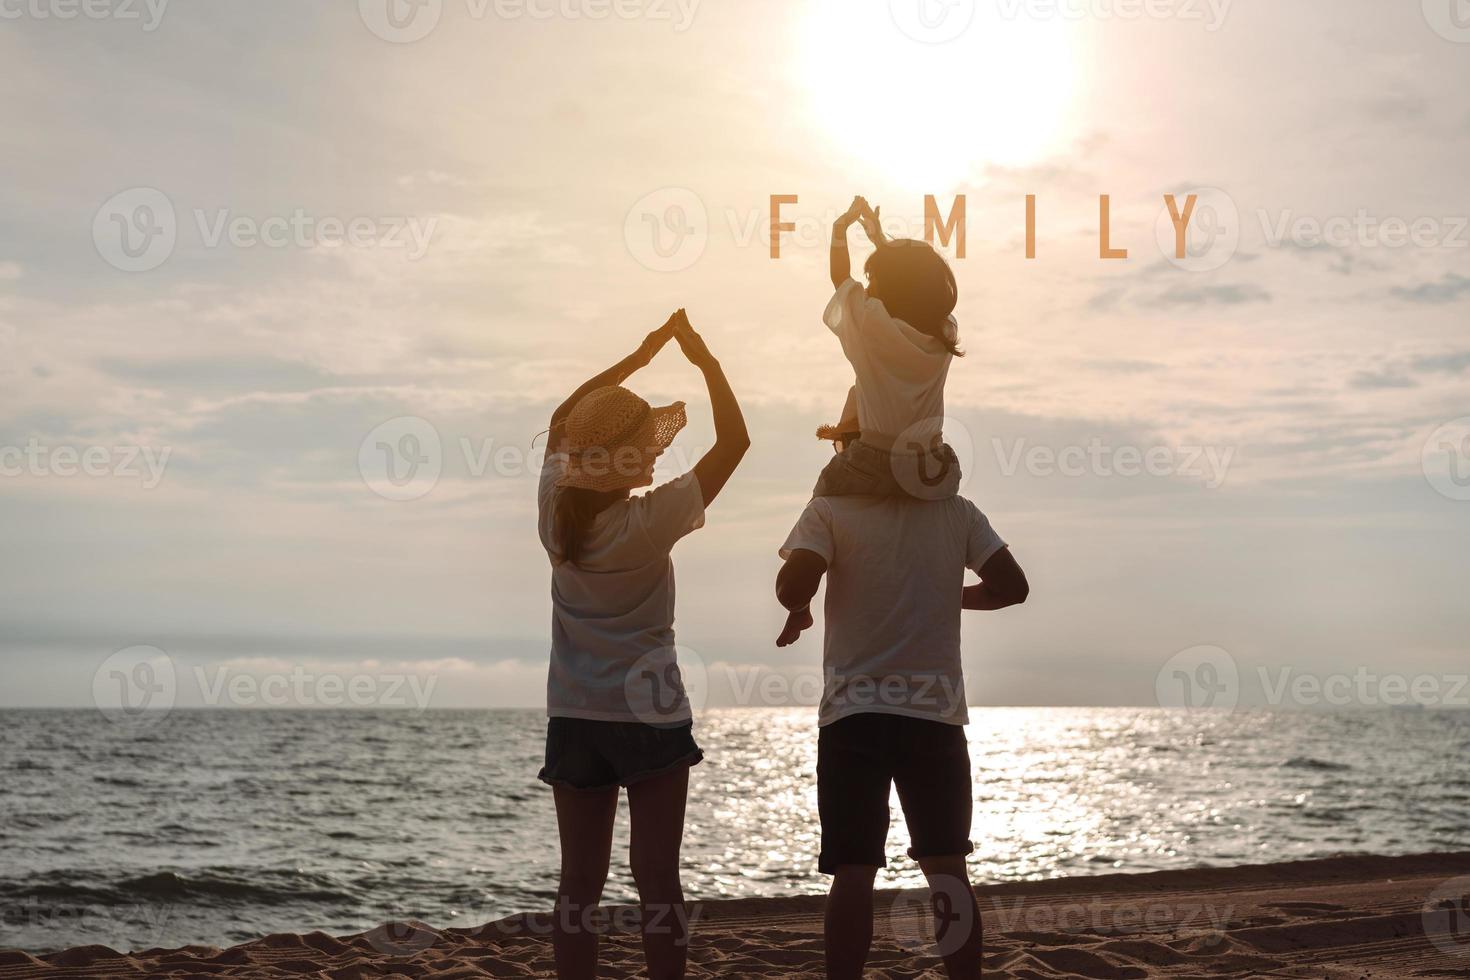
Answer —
854 213
872 222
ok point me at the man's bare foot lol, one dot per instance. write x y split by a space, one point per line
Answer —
796 623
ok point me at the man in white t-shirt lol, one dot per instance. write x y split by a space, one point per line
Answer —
893 703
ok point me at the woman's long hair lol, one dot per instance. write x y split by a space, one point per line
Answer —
574 510
916 285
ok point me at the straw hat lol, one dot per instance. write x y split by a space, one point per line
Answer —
613 438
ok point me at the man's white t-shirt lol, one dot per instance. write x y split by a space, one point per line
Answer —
900 371
612 622
895 585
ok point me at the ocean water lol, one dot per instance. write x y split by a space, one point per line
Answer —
215 827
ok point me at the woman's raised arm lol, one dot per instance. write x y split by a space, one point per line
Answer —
731 438
614 375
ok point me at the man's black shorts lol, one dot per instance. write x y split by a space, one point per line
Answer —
859 756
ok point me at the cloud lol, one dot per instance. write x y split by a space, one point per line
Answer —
1370 380
1448 289
1228 295
1449 363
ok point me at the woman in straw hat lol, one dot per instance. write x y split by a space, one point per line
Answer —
619 715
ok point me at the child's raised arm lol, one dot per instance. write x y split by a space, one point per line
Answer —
841 261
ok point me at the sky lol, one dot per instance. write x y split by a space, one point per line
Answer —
251 255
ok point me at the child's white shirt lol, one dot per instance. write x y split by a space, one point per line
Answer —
900 371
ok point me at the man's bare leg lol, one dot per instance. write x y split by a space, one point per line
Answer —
849 923
957 930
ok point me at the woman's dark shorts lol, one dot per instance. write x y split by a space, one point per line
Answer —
600 755
859 756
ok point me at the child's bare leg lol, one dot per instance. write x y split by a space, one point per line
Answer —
797 622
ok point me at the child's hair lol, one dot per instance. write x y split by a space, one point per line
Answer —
916 285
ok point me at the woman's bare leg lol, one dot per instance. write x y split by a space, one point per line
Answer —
585 823
657 809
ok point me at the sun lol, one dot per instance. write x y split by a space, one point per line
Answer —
925 114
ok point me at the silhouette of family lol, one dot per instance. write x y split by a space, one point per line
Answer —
888 529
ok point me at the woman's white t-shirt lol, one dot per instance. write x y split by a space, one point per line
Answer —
612 621
900 371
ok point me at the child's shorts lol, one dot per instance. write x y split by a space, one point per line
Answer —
864 470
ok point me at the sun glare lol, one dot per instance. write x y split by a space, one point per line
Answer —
925 115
